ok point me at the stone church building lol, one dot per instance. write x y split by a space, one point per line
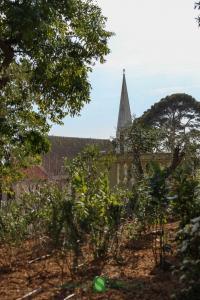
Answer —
62 147
52 167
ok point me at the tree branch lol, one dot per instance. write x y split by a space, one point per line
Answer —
177 159
8 54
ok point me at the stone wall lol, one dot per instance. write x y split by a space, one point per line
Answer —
121 171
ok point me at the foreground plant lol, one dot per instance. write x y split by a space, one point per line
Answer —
185 191
189 269
99 208
153 210
64 220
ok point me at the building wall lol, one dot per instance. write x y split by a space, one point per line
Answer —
121 171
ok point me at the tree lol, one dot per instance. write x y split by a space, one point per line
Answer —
178 117
47 49
56 42
139 139
197 6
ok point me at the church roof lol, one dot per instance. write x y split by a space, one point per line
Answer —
68 147
124 116
35 173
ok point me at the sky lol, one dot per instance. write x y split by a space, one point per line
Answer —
157 42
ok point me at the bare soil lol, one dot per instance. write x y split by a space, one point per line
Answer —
134 277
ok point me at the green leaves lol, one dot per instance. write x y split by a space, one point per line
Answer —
139 139
47 49
85 210
186 187
188 271
97 208
178 116
60 41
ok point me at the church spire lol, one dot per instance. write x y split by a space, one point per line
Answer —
124 116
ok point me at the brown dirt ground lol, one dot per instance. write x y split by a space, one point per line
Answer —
137 275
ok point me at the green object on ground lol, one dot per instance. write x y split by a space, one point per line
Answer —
99 284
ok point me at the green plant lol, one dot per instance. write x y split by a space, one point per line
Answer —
185 191
152 209
13 224
189 269
47 49
86 212
97 207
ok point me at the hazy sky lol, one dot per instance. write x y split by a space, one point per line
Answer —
158 43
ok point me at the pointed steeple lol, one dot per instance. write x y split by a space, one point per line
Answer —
124 116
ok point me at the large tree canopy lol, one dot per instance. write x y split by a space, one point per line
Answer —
178 118
47 49
55 43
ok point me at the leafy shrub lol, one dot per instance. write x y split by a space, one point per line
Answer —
153 209
189 269
86 210
99 209
13 224
185 188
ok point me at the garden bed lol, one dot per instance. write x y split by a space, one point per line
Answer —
134 277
